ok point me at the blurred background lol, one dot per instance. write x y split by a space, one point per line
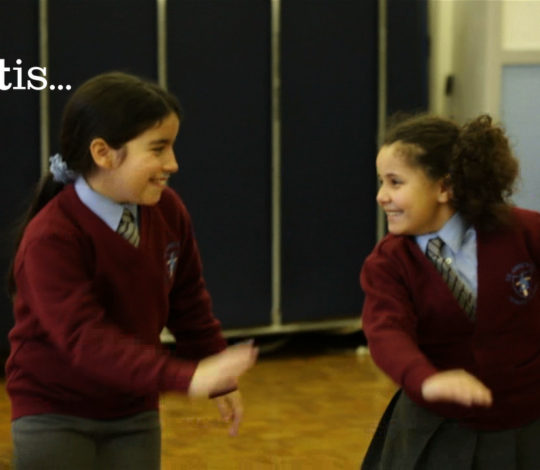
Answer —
284 101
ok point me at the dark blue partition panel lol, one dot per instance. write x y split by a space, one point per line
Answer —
19 132
88 37
407 61
329 118
219 66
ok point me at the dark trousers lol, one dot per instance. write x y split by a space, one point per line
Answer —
58 442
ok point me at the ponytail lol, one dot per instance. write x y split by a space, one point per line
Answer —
483 171
47 189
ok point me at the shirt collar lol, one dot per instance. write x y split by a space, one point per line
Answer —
105 208
452 234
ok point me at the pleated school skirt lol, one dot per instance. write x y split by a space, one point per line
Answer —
409 437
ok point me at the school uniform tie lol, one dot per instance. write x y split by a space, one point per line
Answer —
128 228
461 291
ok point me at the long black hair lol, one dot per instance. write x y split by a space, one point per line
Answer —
116 107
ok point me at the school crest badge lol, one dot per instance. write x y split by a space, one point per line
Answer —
171 258
524 281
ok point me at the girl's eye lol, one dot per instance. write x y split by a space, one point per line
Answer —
158 150
396 182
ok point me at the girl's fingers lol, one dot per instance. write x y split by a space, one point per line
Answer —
224 409
463 389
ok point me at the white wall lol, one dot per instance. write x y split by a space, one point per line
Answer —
441 26
473 39
521 24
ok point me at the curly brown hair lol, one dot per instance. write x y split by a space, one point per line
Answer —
476 160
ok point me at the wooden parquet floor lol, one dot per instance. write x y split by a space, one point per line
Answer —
313 405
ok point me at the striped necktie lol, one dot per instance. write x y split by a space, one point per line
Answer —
128 228
461 291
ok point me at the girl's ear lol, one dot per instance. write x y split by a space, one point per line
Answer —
446 192
102 154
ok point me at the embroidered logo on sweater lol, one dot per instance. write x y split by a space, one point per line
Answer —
524 282
171 258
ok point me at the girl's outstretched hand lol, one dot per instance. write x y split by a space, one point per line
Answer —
220 373
456 386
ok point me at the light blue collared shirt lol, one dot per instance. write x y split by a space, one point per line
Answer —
106 209
459 249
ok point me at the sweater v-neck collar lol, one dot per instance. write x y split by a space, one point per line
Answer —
77 205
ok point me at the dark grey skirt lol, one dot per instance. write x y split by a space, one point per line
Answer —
411 438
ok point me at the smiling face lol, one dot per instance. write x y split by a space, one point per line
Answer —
138 172
414 204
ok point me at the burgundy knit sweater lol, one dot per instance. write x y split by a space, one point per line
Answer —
416 328
90 308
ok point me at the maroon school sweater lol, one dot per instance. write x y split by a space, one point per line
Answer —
415 327
90 308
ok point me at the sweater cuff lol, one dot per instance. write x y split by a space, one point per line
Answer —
223 392
413 382
178 376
